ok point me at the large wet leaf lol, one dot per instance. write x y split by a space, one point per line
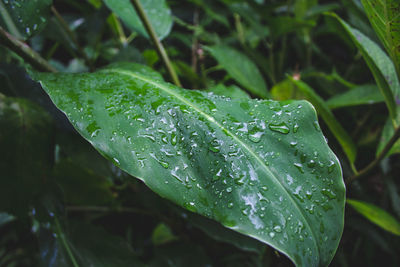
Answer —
157 11
23 18
240 68
385 19
258 167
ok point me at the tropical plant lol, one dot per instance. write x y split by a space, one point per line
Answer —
286 102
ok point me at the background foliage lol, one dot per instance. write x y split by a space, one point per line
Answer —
63 204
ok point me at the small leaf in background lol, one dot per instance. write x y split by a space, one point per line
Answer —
81 186
333 124
262 168
157 11
386 135
5 218
81 244
240 68
380 65
360 95
376 215
231 91
162 234
385 19
25 141
24 18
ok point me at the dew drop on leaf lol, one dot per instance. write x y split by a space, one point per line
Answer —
280 128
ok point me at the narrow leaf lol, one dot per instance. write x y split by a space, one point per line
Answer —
360 95
380 65
240 68
376 215
386 135
384 16
258 167
323 110
157 11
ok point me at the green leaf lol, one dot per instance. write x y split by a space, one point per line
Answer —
5 218
81 186
25 143
81 244
360 95
333 124
385 19
23 18
240 68
231 91
376 215
162 234
386 135
380 65
157 11
258 167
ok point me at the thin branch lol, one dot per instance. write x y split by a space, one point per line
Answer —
159 47
381 155
24 51
72 36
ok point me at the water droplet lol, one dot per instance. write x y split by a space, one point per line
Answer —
174 139
308 194
230 205
116 161
316 126
311 164
277 228
229 189
331 166
295 128
190 206
299 166
322 228
265 188
255 134
280 128
328 193
217 176
293 144
272 234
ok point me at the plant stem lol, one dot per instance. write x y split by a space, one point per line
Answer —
375 162
60 234
72 36
24 51
159 47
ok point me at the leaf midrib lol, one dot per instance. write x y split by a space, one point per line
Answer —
212 120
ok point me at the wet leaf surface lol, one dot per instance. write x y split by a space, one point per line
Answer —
261 168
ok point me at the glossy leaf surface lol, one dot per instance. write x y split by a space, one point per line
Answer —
380 65
240 68
376 215
261 168
385 19
323 110
24 18
157 11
